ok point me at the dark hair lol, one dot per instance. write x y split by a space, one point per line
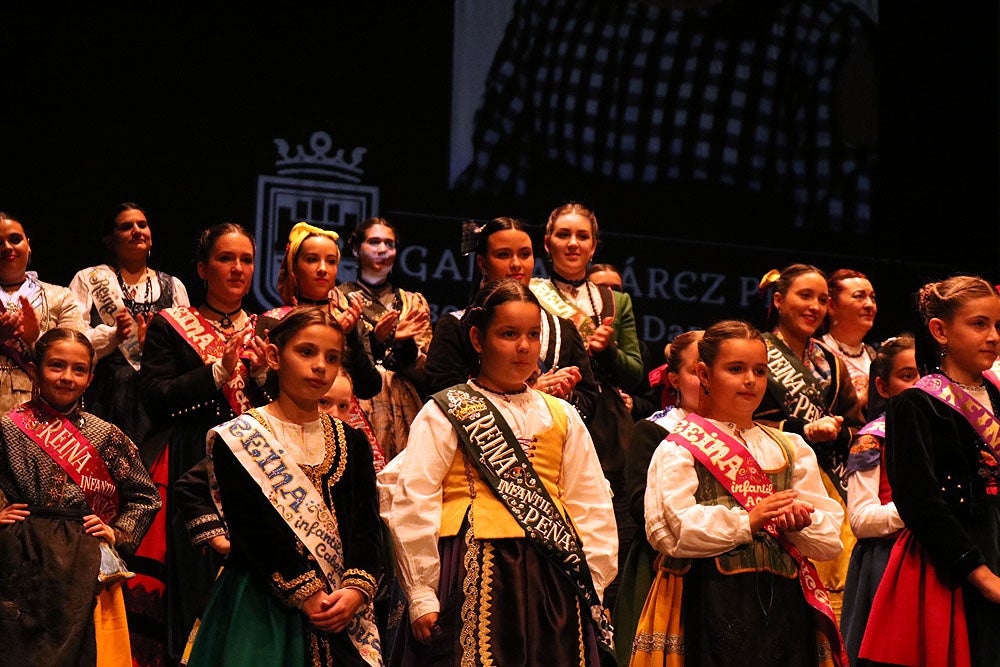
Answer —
573 207
881 367
674 352
489 298
781 285
720 332
357 237
298 319
602 266
942 300
209 237
482 248
111 223
58 334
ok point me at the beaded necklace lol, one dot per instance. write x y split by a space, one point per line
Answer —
144 307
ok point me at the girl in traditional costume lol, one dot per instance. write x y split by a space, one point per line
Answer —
737 511
939 600
870 508
501 519
296 490
73 493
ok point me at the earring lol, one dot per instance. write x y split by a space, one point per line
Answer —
705 389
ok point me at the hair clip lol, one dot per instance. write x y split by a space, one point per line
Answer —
470 236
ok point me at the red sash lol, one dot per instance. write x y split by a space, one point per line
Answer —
359 420
209 344
57 437
949 393
735 468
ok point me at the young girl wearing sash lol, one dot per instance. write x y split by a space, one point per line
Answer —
939 599
395 330
738 512
28 308
810 392
502 523
606 322
296 488
119 298
200 366
870 509
72 491
308 277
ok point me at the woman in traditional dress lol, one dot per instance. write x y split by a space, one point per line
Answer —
300 577
308 276
810 392
200 366
850 316
737 511
73 493
870 509
119 298
939 600
501 520
396 331
606 322
30 307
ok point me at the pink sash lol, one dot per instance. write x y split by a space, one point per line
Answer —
359 420
57 437
209 344
949 393
735 468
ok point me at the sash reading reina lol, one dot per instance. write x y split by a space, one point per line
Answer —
503 465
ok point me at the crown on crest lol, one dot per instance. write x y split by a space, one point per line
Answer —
318 160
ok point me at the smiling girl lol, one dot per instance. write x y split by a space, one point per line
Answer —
459 530
72 490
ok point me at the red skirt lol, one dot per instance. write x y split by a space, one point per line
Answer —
917 618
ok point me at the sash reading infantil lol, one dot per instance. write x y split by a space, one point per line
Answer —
302 507
60 439
800 395
735 468
209 344
494 450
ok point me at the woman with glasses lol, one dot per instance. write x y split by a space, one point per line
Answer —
396 332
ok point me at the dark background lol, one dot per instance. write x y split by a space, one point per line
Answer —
178 110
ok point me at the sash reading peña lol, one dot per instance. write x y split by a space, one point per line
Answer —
302 507
109 300
209 344
732 464
801 396
875 427
60 439
503 465
949 393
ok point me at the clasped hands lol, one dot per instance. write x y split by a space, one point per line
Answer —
782 510
21 323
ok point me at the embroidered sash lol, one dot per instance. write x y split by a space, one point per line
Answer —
209 344
302 507
875 427
60 439
800 395
554 302
503 465
109 300
735 468
949 393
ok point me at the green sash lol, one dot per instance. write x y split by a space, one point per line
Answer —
494 450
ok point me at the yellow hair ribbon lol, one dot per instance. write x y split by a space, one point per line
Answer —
769 279
303 230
